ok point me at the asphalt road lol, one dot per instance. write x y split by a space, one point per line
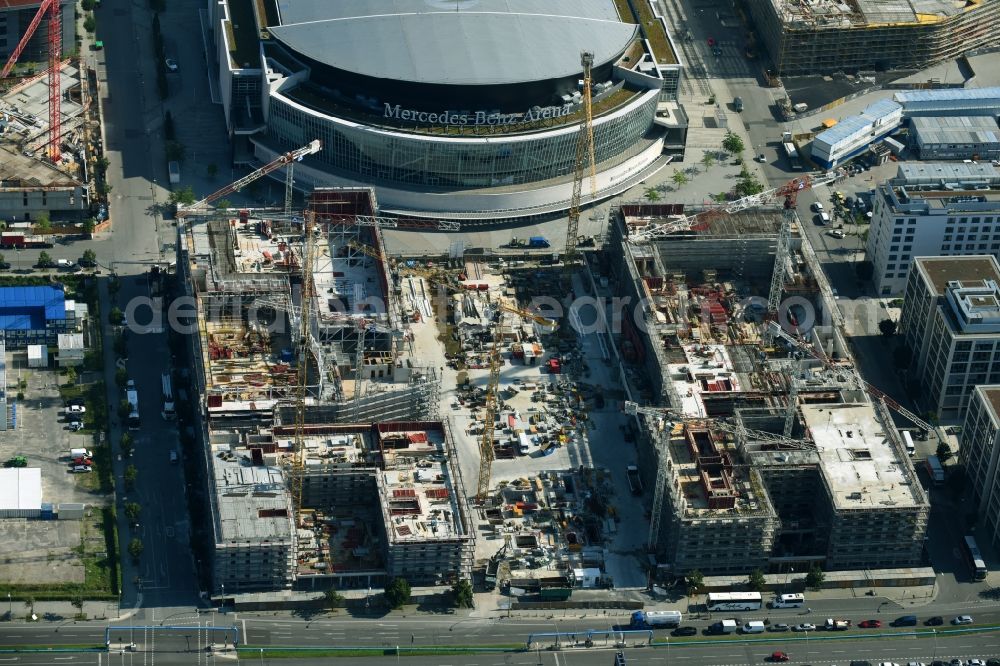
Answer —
817 651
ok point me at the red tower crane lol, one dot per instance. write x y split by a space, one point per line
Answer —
51 9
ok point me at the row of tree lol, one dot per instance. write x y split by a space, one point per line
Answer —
756 581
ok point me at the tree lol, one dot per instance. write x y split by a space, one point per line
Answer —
680 178
29 601
815 577
87 5
44 260
43 223
70 376
77 601
887 327
184 196
121 377
461 594
708 160
397 592
127 445
757 581
223 204
116 316
90 23
176 151
131 474
695 579
162 86
212 170
651 194
733 144
943 452
89 258
135 548
333 599
132 511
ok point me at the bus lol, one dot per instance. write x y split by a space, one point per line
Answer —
976 562
908 442
169 412
788 601
132 396
733 601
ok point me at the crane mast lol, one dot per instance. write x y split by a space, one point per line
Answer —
584 151
305 314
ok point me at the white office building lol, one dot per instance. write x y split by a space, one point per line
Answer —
951 324
932 209
852 136
979 454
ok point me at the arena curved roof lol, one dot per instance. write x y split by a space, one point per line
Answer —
454 42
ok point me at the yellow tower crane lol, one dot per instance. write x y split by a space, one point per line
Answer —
305 314
486 453
584 150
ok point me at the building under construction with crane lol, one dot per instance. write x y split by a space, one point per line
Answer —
480 126
765 447
319 420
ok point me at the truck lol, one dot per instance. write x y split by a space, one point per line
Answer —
837 624
911 449
538 242
169 412
655 619
935 470
634 480
792 153
132 396
724 627
80 453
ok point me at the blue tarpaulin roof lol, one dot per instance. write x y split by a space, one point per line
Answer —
29 308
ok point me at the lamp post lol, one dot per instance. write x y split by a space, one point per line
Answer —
222 605
10 607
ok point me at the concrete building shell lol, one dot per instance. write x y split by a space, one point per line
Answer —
826 37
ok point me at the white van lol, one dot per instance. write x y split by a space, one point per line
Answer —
824 218
753 627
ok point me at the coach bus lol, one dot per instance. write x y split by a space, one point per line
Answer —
788 601
975 558
733 601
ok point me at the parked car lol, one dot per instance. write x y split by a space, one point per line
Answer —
778 656
836 233
805 626
781 626
976 662
817 207
81 469
870 624
935 621
76 425
962 619
76 409
684 631
65 263
171 64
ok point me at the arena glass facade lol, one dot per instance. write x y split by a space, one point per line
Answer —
411 158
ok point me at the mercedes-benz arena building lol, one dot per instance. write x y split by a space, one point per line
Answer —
451 109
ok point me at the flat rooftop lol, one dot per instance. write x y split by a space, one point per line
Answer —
861 466
942 270
707 369
21 489
956 129
992 395
831 14
252 500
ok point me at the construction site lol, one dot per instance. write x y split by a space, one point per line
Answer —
50 138
826 36
756 403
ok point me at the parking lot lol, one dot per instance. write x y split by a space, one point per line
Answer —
46 551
